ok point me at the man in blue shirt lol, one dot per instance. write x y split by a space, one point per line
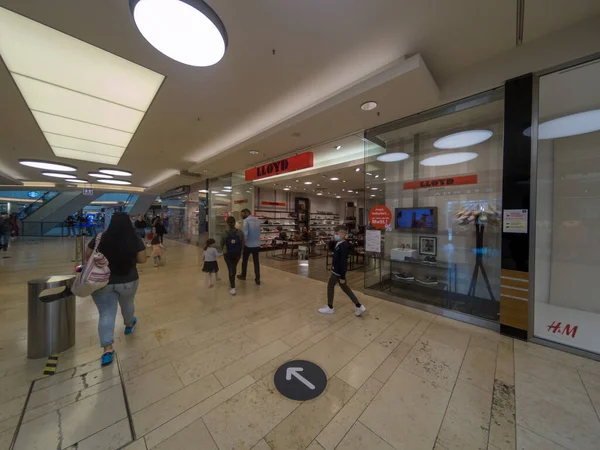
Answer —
251 229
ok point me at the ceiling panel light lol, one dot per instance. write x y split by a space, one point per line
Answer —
334 178
58 175
449 159
571 125
44 165
120 182
221 195
203 191
189 31
99 175
74 89
357 169
463 139
368 106
116 172
77 180
308 182
253 152
393 157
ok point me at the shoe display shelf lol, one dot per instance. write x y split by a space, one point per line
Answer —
269 221
444 273
324 223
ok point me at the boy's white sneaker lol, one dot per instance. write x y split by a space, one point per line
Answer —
327 310
232 291
359 310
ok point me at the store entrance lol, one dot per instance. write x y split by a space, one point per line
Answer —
300 215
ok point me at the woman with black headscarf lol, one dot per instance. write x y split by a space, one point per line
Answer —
123 249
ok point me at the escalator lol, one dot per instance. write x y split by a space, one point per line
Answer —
41 201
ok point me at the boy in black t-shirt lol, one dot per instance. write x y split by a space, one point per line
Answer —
339 266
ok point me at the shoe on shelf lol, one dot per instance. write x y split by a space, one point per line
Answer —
428 281
232 291
404 276
432 261
107 358
240 277
410 259
326 310
359 310
129 330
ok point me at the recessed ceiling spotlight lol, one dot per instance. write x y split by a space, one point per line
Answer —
253 152
120 182
45 165
189 31
368 106
571 125
384 179
376 176
205 171
343 181
372 195
58 175
305 189
338 147
334 178
449 159
297 181
350 190
115 172
319 193
357 169
393 157
343 190
203 191
286 189
463 139
308 182
369 173
99 175
337 196
318 184
77 180
373 189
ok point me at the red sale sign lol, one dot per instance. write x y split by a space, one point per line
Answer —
380 216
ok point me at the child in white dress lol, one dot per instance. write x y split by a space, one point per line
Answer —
210 262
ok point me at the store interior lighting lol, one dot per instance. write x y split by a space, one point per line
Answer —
99 175
334 178
58 175
116 172
45 165
392 157
190 32
571 125
463 139
119 182
81 116
77 180
449 159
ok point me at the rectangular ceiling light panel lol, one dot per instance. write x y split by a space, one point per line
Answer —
75 89
84 156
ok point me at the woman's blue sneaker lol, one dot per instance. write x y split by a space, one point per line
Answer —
129 330
107 358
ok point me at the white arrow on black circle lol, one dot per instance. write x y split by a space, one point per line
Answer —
294 372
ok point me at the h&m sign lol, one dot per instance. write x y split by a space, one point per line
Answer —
441 182
286 165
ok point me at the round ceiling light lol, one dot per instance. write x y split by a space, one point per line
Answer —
188 31
253 152
571 125
99 175
337 196
286 189
449 159
319 193
463 139
58 175
334 178
121 182
308 182
357 169
338 147
368 106
77 180
45 165
393 157
115 172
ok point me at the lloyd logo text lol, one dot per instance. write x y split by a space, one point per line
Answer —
287 165
441 182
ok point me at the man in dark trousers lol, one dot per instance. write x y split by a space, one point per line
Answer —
339 266
251 229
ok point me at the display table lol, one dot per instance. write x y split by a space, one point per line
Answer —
290 244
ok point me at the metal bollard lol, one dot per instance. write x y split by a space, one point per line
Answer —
51 315
79 249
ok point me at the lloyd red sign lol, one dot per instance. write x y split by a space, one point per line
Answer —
273 203
441 182
287 165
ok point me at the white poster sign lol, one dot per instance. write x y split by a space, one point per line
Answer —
515 221
373 241
573 327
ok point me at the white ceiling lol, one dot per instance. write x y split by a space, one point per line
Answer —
254 99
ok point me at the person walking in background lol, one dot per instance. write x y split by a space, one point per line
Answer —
160 229
70 226
5 230
123 249
82 222
16 225
140 227
339 266
232 243
251 228
157 250
210 262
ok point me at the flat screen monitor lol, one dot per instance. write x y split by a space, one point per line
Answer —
423 219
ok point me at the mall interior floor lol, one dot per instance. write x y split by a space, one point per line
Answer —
198 371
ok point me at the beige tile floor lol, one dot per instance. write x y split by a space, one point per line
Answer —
198 371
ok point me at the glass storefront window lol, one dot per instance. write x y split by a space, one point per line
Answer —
567 201
228 195
433 186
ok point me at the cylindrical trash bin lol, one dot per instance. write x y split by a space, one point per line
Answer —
51 315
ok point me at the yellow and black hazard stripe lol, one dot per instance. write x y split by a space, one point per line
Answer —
50 368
